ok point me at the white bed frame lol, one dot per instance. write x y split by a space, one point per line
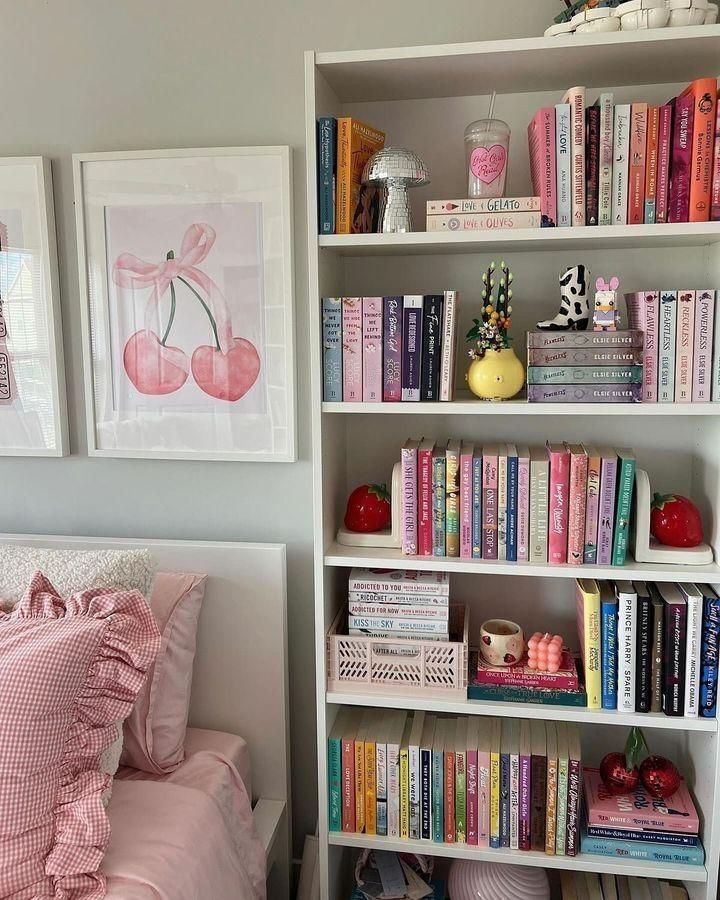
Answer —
240 681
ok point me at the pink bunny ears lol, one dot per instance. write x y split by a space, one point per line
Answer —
602 285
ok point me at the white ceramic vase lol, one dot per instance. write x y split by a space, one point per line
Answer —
472 879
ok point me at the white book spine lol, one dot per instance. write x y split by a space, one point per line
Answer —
626 651
502 507
514 800
716 351
414 790
386 623
666 347
393 789
449 339
383 608
606 160
621 154
692 655
564 164
411 601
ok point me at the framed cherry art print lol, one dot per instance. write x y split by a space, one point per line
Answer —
186 277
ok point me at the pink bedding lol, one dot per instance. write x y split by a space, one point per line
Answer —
187 835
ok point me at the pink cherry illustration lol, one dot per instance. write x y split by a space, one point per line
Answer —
486 640
227 376
487 163
153 368
509 659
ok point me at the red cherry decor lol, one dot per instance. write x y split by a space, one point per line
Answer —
659 776
617 778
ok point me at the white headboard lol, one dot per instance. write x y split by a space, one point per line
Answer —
240 675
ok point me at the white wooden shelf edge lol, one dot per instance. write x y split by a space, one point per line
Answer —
523 408
583 862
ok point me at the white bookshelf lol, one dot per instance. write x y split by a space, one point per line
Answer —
423 97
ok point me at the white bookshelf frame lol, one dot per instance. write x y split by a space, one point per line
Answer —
351 440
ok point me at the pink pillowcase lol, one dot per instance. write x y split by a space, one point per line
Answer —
154 734
69 669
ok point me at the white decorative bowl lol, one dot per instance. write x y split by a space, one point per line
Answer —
472 879
684 17
645 18
711 16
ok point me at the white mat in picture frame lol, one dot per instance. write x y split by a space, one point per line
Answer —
186 274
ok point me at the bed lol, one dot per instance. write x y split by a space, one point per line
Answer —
172 833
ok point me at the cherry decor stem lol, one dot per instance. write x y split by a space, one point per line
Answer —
204 305
173 304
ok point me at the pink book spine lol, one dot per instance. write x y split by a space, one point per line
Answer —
425 522
592 509
348 785
702 352
576 514
524 804
638 144
685 339
541 142
352 349
644 314
558 510
715 196
483 765
679 204
523 512
664 151
471 775
490 507
466 504
409 500
372 349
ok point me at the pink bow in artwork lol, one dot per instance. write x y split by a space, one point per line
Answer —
226 371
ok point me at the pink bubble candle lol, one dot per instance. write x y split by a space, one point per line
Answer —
545 651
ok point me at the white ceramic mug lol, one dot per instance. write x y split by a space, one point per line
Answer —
502 642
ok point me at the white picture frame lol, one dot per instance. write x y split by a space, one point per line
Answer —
33 406
186 281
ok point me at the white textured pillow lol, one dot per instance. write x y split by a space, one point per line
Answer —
71 571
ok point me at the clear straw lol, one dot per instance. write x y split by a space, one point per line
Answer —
491 109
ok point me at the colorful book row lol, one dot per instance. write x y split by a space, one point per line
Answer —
681 356
649 648
485 782
628 163
389 349
562 503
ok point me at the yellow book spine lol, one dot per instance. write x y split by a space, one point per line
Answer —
593 678
370 790
359 786
343 178
551 817
404 795
494 799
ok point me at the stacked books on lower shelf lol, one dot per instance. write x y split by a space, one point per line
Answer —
649 647
639 826
585 366
521 684
562 503
394 604
591 885
484 782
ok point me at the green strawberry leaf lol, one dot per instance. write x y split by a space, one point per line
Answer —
659 500
380 491
635 748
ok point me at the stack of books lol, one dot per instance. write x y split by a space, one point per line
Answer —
397 604
585 366
562 503
638 826
681 358
629 163
575 885
520 684
483 215
389 349
649 648
471 780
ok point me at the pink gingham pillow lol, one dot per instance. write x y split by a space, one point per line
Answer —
69 669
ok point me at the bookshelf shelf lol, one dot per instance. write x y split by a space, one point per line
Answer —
582 862
529 240
526 711
468 407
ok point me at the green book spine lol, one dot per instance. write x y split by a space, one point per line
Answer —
439 505
561 829
460 808
335 784
585 375
626 482
452 500
526 695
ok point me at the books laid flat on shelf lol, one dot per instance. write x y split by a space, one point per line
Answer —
471 780
649 647
630 163
517 684
559 504
590 885
389 349
399 604
483 215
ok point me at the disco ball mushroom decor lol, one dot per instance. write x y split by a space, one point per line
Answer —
394 170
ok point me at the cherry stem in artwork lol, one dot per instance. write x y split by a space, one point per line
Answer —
204 305
173 304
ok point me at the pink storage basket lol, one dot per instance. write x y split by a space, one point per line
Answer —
437 669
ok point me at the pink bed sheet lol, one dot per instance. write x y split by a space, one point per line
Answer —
188 835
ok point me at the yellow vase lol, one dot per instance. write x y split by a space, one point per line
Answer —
499 375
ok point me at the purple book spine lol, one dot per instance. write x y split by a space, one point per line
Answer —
608 475
372 349
409 498
523 519
524 812
572 839
392 349
679 209
472 796
412 347
490 506
702 359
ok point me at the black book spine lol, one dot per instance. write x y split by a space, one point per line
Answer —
432 347
425 804
643 655
674 675
592 164
658 627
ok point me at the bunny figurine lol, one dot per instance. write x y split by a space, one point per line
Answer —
606 316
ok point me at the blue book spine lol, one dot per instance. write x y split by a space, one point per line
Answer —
332 349
504 799
438 834
609 648
326 156
425 795
709 654
663 853
512 507
477 507
335 784
654 837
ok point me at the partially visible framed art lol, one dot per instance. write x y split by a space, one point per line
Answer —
33 415
186 274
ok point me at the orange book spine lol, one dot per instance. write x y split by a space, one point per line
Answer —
704 93
343 178
348 785
651 164
449 797
636 179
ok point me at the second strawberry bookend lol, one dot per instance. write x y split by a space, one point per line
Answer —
675 521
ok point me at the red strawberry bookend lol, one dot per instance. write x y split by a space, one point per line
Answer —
621 773
675 521
368 509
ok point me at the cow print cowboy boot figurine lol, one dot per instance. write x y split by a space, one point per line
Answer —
574 313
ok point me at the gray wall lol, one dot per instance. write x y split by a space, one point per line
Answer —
92 75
